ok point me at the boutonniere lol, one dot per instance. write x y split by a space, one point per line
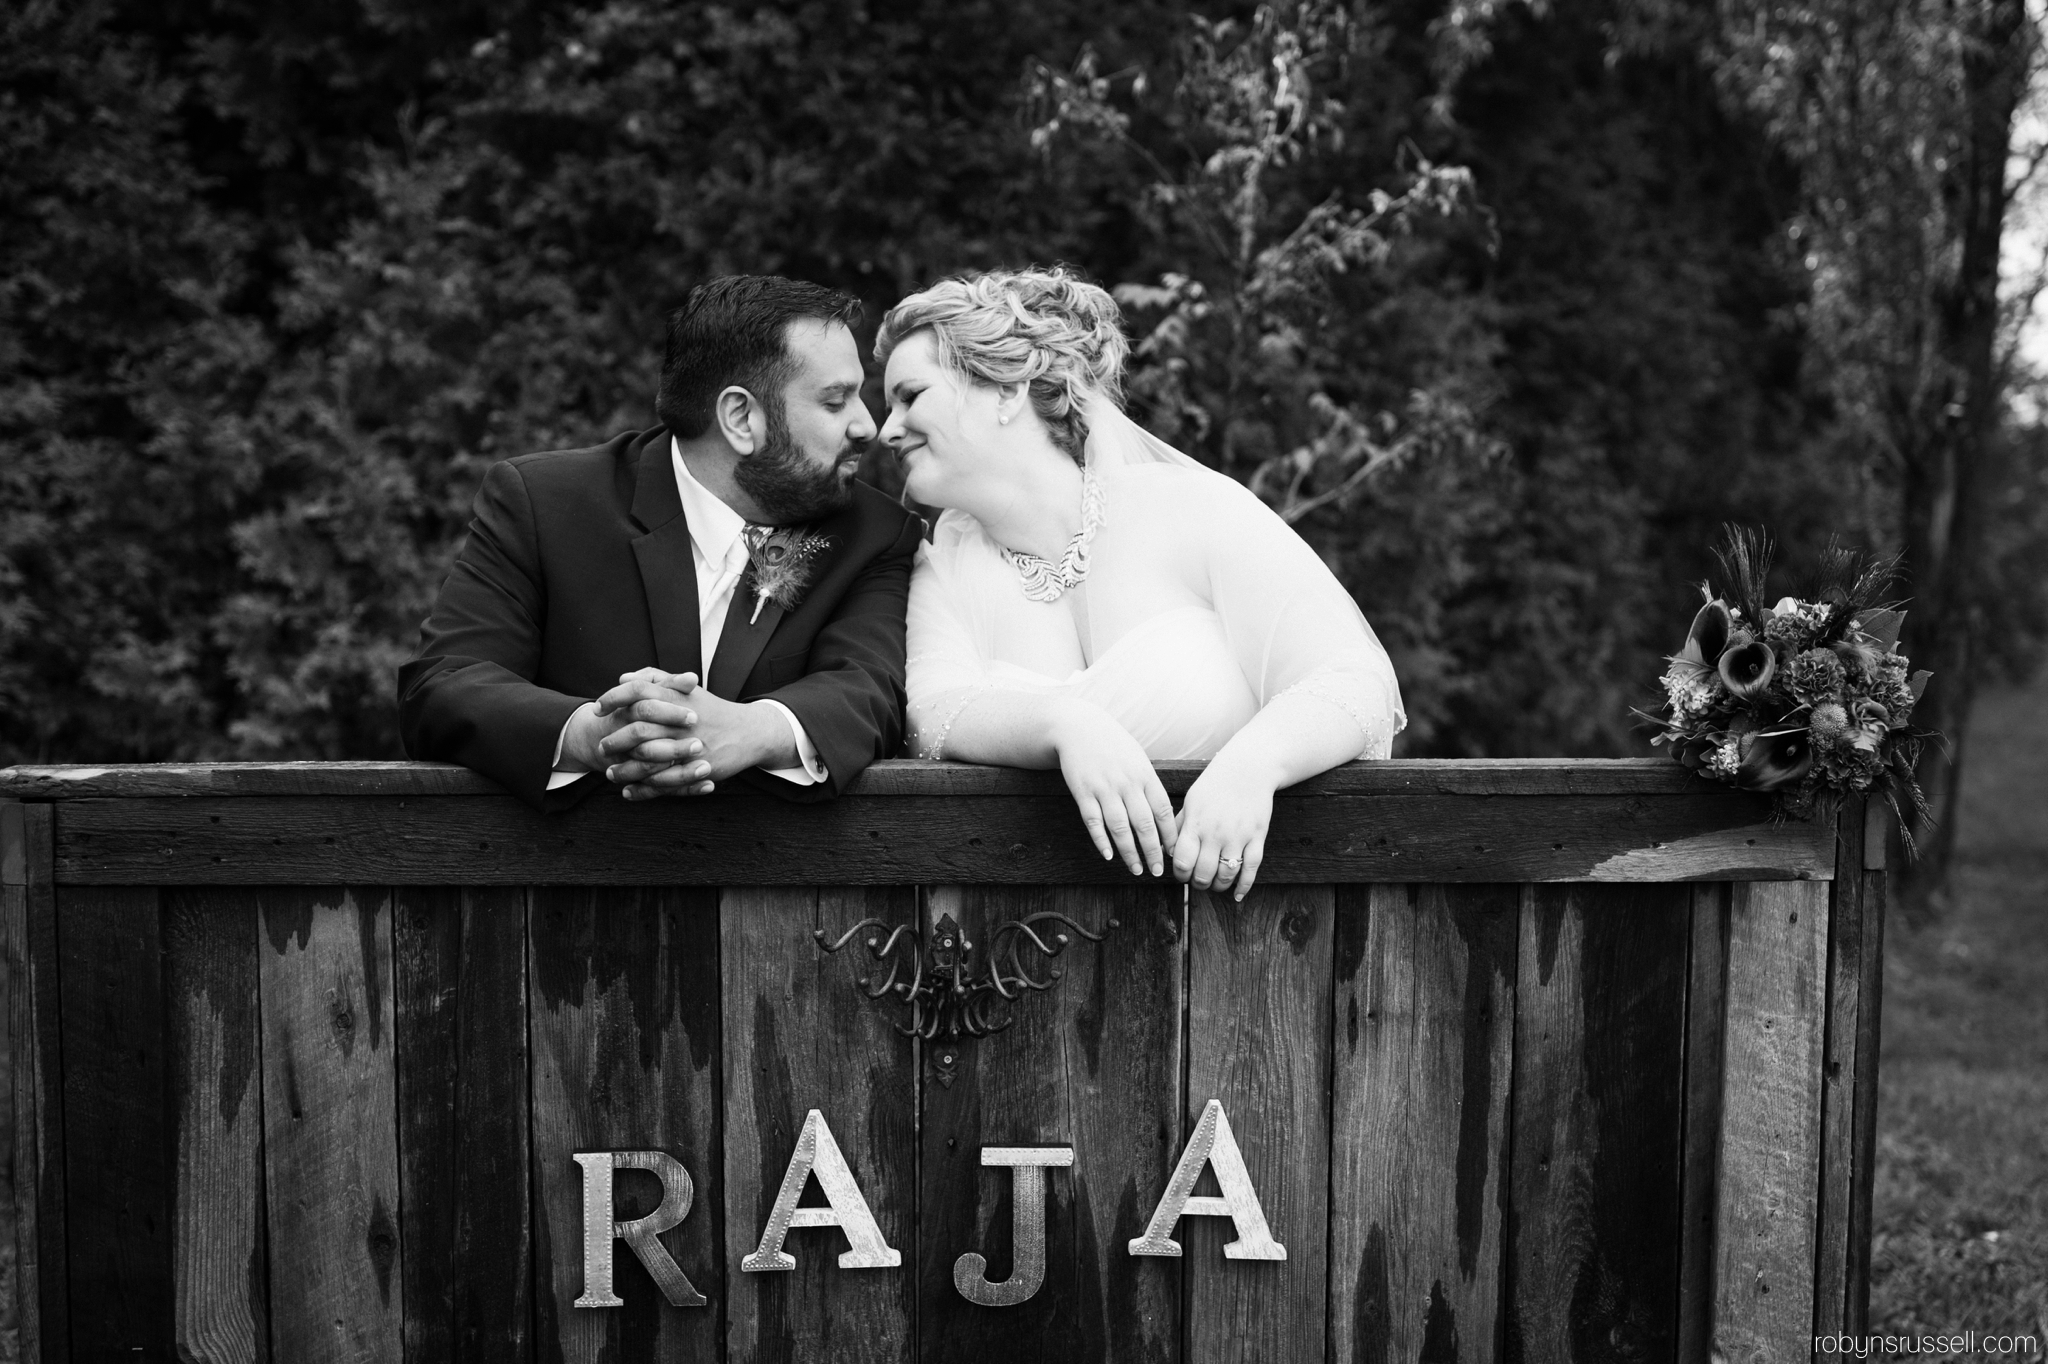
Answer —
780 563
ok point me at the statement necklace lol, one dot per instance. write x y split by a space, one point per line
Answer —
1049 582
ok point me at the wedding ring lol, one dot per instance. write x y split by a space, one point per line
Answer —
1231 862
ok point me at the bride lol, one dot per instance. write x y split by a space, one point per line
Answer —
1095 600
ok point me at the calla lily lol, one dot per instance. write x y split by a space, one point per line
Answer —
1770 761
1747 665
1709 634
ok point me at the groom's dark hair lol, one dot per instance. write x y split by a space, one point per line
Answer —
733 330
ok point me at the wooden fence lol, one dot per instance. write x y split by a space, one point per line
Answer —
1527 1060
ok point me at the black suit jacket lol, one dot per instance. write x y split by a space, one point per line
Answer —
578 568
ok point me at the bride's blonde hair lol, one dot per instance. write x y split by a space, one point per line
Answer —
1045 328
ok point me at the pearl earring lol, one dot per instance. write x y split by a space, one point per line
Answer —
1003 420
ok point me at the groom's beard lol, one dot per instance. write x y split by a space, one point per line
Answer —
788 487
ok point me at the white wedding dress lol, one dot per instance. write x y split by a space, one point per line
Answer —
1200 607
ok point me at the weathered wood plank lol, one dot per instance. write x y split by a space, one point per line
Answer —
1856 1313
1425 991
28 1153
1259 995
743 839
799 1036
1843 1006
459 958
1094 1064
1599 1066
1770 1123
220 1309
894 777
330 1141
623 1022
17 1181
1706 1003
117 1173
42 1235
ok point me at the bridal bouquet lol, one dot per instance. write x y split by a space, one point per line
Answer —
1804 698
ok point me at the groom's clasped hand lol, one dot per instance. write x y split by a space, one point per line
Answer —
662 734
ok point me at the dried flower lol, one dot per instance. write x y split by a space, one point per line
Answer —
1795 625
1815 675
1828 723
1887 685
1690 693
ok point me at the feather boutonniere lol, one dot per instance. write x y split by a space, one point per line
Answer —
780 561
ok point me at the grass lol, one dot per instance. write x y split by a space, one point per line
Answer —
1961 1215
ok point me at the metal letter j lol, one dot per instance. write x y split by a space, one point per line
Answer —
1027 1228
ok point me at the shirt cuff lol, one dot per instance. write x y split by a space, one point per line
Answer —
813 770
562 776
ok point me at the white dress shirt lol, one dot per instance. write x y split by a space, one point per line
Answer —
718 547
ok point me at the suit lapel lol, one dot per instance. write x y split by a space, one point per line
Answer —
668 571
740 644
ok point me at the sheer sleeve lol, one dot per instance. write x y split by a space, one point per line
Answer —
947 665
1294 629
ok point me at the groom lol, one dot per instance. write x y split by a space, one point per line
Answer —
712 600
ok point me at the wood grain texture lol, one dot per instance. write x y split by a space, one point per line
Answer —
1259 993
72 781
17 1185
1456 776
459 963
1706 1003
43 1236
330 1140
218 1270
1863 1155
1423 1054
901 840
116 1158
18 1145
1599 1065
799 1035
1094 1064
623 1022
1838 1073
1770 1123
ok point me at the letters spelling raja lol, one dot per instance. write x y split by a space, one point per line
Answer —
817 1153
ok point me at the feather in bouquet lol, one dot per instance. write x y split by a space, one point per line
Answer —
1806 698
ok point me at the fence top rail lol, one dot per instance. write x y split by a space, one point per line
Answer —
902 823
897 777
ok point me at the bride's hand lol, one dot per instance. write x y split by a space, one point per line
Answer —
1223 823
1113 783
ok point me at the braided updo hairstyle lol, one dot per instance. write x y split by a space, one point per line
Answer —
1044 328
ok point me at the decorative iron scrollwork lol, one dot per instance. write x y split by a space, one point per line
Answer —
954 988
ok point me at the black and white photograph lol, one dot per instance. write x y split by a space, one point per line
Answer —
977 682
